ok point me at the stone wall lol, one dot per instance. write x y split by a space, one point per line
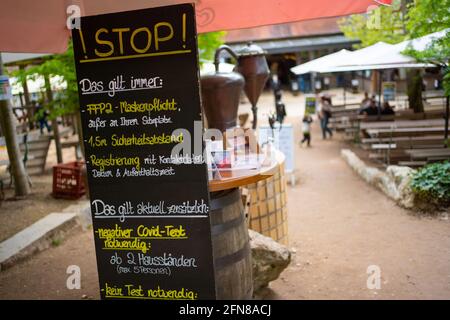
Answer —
394 182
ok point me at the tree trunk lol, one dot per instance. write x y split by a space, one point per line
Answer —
21 186
55 127
415 90
28 107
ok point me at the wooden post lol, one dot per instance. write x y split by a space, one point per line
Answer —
447 111
374 82
55 128
343 87
26 95
21 186
380 89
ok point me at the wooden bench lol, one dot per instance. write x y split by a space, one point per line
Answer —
413 164
383 146
38 146
403 124
405 132
429 154
34 149
73 142
410 157
392 139
407 140
389 156
343 120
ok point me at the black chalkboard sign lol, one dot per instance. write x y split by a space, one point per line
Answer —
139 95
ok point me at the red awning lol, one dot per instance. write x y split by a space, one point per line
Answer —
384 2
40 26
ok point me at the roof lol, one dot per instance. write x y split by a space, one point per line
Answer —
307 28
9 58
300 44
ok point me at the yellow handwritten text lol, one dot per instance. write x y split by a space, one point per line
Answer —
144 139
126 244
160 38
111 161
156 106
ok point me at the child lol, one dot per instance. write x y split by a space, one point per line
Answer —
306 130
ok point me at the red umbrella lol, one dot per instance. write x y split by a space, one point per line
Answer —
40 26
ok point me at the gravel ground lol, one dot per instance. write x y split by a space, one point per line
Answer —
16 215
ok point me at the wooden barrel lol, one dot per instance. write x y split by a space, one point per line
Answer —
268 205
231 249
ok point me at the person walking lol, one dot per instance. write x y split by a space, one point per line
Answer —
41 116
324 116
306 128
280 110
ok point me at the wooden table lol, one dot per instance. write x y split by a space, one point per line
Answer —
238 178
266 189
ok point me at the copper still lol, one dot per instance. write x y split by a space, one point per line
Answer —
252 64
221 91
220 95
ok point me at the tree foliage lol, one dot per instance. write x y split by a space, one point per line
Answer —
429 16
208 43
62 65
387 24
402 21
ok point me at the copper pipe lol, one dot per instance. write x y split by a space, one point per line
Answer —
217 55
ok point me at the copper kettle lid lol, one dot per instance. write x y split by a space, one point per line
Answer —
251 49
